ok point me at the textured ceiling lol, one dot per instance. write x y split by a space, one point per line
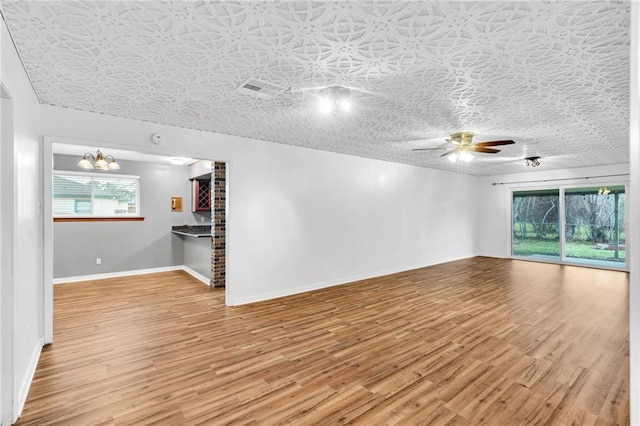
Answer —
553 76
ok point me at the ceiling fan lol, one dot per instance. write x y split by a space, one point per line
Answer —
463 146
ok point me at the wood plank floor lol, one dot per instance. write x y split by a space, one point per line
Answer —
471 342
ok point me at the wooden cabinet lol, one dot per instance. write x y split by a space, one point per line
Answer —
200 195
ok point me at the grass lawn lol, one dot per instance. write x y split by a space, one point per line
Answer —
582 250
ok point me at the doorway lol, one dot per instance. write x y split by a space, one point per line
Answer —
218 245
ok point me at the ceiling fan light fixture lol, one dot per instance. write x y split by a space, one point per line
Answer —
465 156
462 138
460 154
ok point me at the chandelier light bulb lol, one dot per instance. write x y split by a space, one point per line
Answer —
345 105
85 163
604 191
101 165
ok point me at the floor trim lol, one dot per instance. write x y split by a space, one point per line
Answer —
261 297
80 278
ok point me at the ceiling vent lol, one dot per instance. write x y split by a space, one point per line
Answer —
260 89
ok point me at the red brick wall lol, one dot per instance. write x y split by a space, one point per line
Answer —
219 224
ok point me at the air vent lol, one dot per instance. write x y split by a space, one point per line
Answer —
260 89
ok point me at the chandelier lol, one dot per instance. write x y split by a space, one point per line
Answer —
98 161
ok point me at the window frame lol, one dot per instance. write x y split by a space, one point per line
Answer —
563 187
62 217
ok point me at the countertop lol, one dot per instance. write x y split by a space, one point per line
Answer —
197 231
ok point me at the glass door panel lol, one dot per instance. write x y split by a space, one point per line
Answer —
536 224
594 225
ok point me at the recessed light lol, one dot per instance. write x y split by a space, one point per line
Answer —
325 105
179 161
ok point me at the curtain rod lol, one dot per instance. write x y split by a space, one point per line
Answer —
558 179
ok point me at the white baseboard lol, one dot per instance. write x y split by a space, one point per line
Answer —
25 384
119 274
235 301
196 275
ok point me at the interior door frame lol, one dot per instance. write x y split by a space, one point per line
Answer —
8 399
47 142
47 214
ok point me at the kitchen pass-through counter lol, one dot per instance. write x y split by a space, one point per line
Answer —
197 231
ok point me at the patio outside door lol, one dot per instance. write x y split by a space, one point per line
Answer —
536 224
594 225
591 220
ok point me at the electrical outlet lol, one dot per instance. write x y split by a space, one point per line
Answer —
98 261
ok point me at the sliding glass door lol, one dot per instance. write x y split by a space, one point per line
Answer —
536 224
594 225
590 219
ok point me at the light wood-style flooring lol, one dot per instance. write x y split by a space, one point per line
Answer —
472 342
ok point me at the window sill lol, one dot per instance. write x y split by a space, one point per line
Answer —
98 219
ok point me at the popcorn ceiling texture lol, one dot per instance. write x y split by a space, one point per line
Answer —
553 76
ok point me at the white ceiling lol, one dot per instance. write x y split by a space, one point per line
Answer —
119 154
553 76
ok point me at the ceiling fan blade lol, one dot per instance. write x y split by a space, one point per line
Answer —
495 143
486 150
447 153
428 149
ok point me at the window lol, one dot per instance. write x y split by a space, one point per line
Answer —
83 206
77 194
594 224
577 225
536 226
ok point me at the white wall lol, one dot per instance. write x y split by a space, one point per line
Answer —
301 218
197 255
6 251
493 237
22 231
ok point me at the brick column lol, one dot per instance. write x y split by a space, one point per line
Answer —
218 224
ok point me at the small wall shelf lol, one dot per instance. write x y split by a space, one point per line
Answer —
200 195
